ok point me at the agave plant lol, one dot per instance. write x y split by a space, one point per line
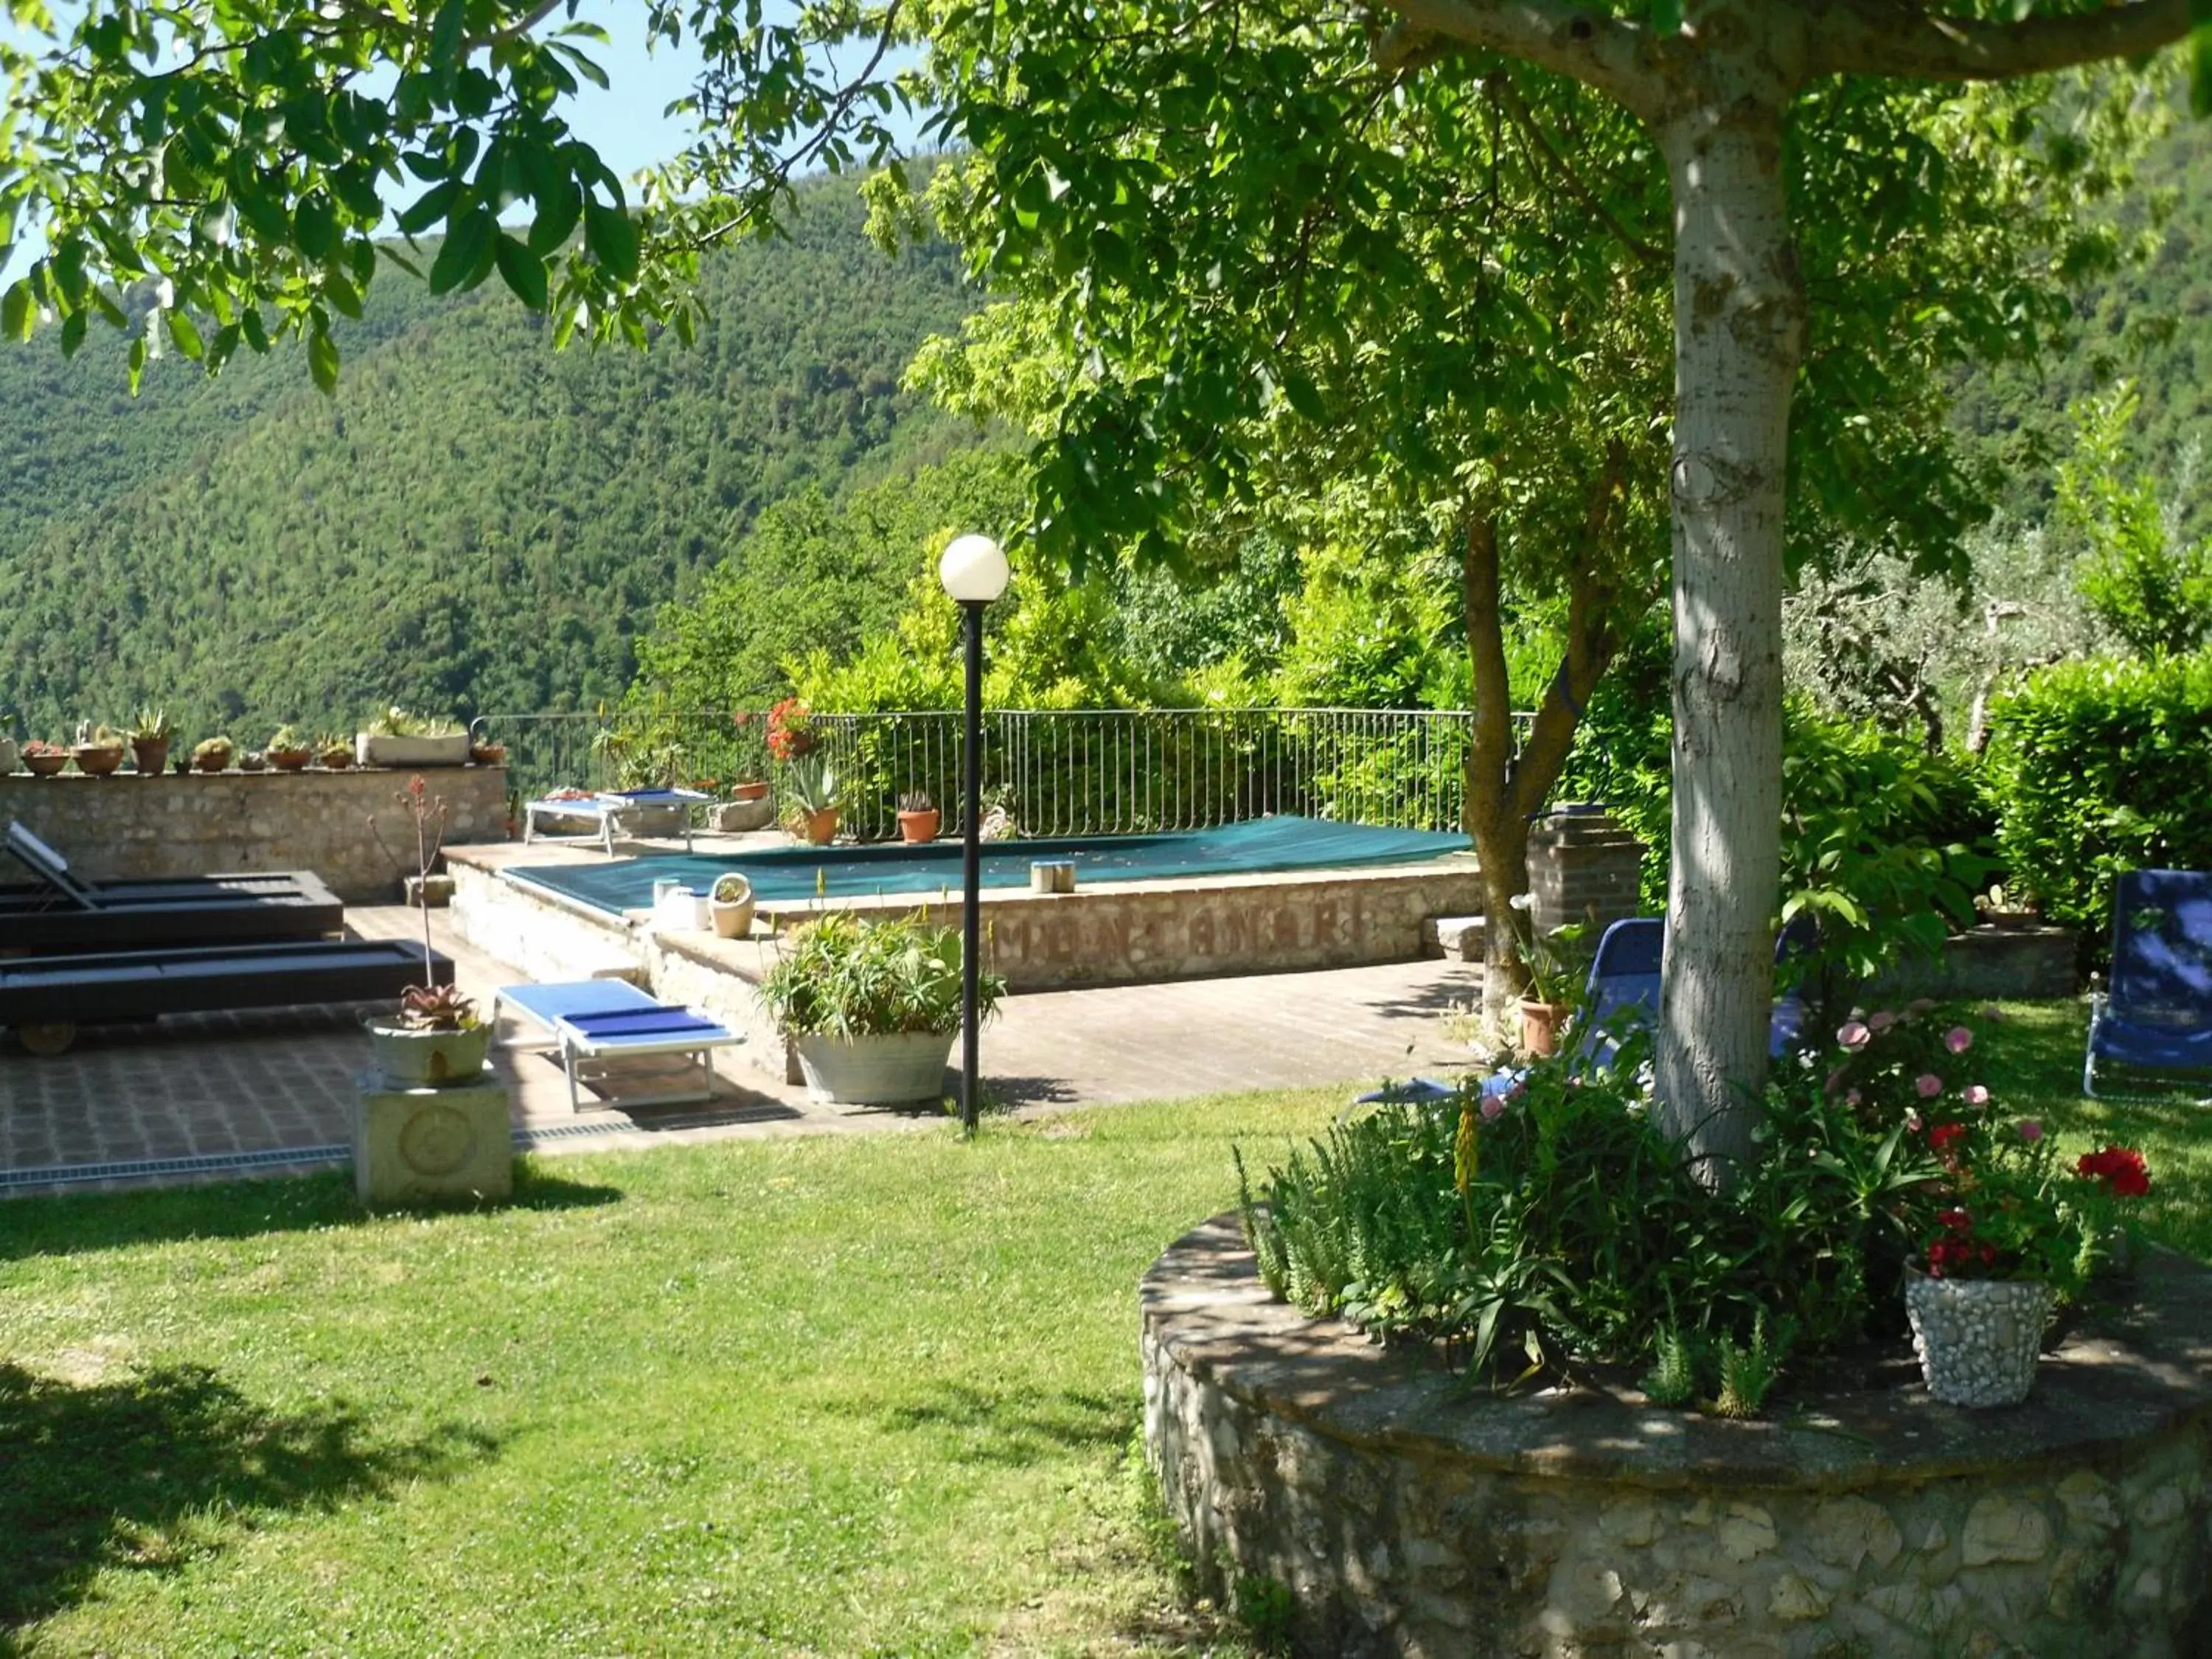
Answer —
811 784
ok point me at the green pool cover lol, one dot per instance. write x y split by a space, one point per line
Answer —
802 872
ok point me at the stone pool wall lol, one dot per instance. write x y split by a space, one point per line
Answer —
125 826
1404 1515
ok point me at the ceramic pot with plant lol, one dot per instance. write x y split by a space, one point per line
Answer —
811 790
333 752
213 754
488 754
289 750
918 817
253 760
1556 965
396 738
437 1037
872 1007
45 759
151 734
99 749
730 904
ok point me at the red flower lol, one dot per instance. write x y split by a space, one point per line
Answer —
2120 1167
1944 1136
1957 1220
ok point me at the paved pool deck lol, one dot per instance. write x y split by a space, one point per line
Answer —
218 1096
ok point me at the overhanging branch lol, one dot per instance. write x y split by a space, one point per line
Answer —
1890 36
1586 43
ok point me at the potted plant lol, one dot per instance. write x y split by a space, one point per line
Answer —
396 738
2000 1230
253 760
289 750
1556 967
918 817
872 1007
333 752
45 759
488 754
99 749
151 734
213 754
730 904
2010 909
811 787
437 1037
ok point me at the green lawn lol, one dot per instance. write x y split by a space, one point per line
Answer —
833 1396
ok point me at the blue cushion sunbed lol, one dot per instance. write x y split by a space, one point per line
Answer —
595 1021
2157 1014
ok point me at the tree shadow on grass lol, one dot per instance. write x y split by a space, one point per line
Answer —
63 1225
1018 1425
143 1473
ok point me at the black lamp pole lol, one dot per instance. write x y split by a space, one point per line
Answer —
971 865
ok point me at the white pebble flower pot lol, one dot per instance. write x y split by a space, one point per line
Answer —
1977 1339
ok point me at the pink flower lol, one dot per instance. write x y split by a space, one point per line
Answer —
1880 1020
1958 1039
1853 1035
2028 1129
1977 1096
1929 1084
1491 1106
1912 1120
1851 1098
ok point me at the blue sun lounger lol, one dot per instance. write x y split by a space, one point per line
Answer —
599 1023
2157 1014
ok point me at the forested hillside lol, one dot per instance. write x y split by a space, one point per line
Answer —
475 522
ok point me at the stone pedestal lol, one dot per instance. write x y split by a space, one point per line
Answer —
414 1145
1582 866
734 818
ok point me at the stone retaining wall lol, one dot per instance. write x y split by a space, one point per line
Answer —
1405 1515
126 827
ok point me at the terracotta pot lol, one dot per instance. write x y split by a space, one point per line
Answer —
489 754
336 760
290 760
750 791
819 829
45 766
96 762
1539 1027
919 826
219 762
149 755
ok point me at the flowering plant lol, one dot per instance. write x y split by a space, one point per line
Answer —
1997 1200
790 730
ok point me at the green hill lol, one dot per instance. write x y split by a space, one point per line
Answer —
475 522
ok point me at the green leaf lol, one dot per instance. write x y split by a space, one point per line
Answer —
433 205
341 294
524 271
137 363
2199 61
185 332
1665 16
611 235
256 336
315 223
464 245
557 214
323 360
73 326
15 312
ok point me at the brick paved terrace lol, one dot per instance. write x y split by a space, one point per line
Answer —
270 1091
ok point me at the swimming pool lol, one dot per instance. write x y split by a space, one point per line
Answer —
783 874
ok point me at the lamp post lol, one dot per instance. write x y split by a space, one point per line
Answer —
974 571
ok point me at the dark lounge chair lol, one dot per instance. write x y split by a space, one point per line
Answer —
46 999
62 911
2157 1015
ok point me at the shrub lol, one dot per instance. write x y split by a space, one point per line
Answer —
841 977
1557 1229
2098 768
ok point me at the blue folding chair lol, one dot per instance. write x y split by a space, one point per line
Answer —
1624 989
2157 1014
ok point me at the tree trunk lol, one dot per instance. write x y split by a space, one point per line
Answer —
1739 318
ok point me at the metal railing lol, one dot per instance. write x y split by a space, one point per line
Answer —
1053 772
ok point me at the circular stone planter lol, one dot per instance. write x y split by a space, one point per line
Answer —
435 1058
875 1071
1405 1515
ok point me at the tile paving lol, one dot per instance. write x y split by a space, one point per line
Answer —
275 1086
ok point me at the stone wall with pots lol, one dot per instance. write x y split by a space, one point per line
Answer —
127 827
1407 1515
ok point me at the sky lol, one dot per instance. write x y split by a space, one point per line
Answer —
624 123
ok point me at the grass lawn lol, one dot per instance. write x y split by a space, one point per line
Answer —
836 1396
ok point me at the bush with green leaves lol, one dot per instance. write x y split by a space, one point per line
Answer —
844 977
1554 1229
2098 767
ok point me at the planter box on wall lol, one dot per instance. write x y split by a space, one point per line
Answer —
371 749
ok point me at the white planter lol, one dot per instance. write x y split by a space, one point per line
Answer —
1977 1339
10 754
678 910
371 749
429 1059
875 1071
